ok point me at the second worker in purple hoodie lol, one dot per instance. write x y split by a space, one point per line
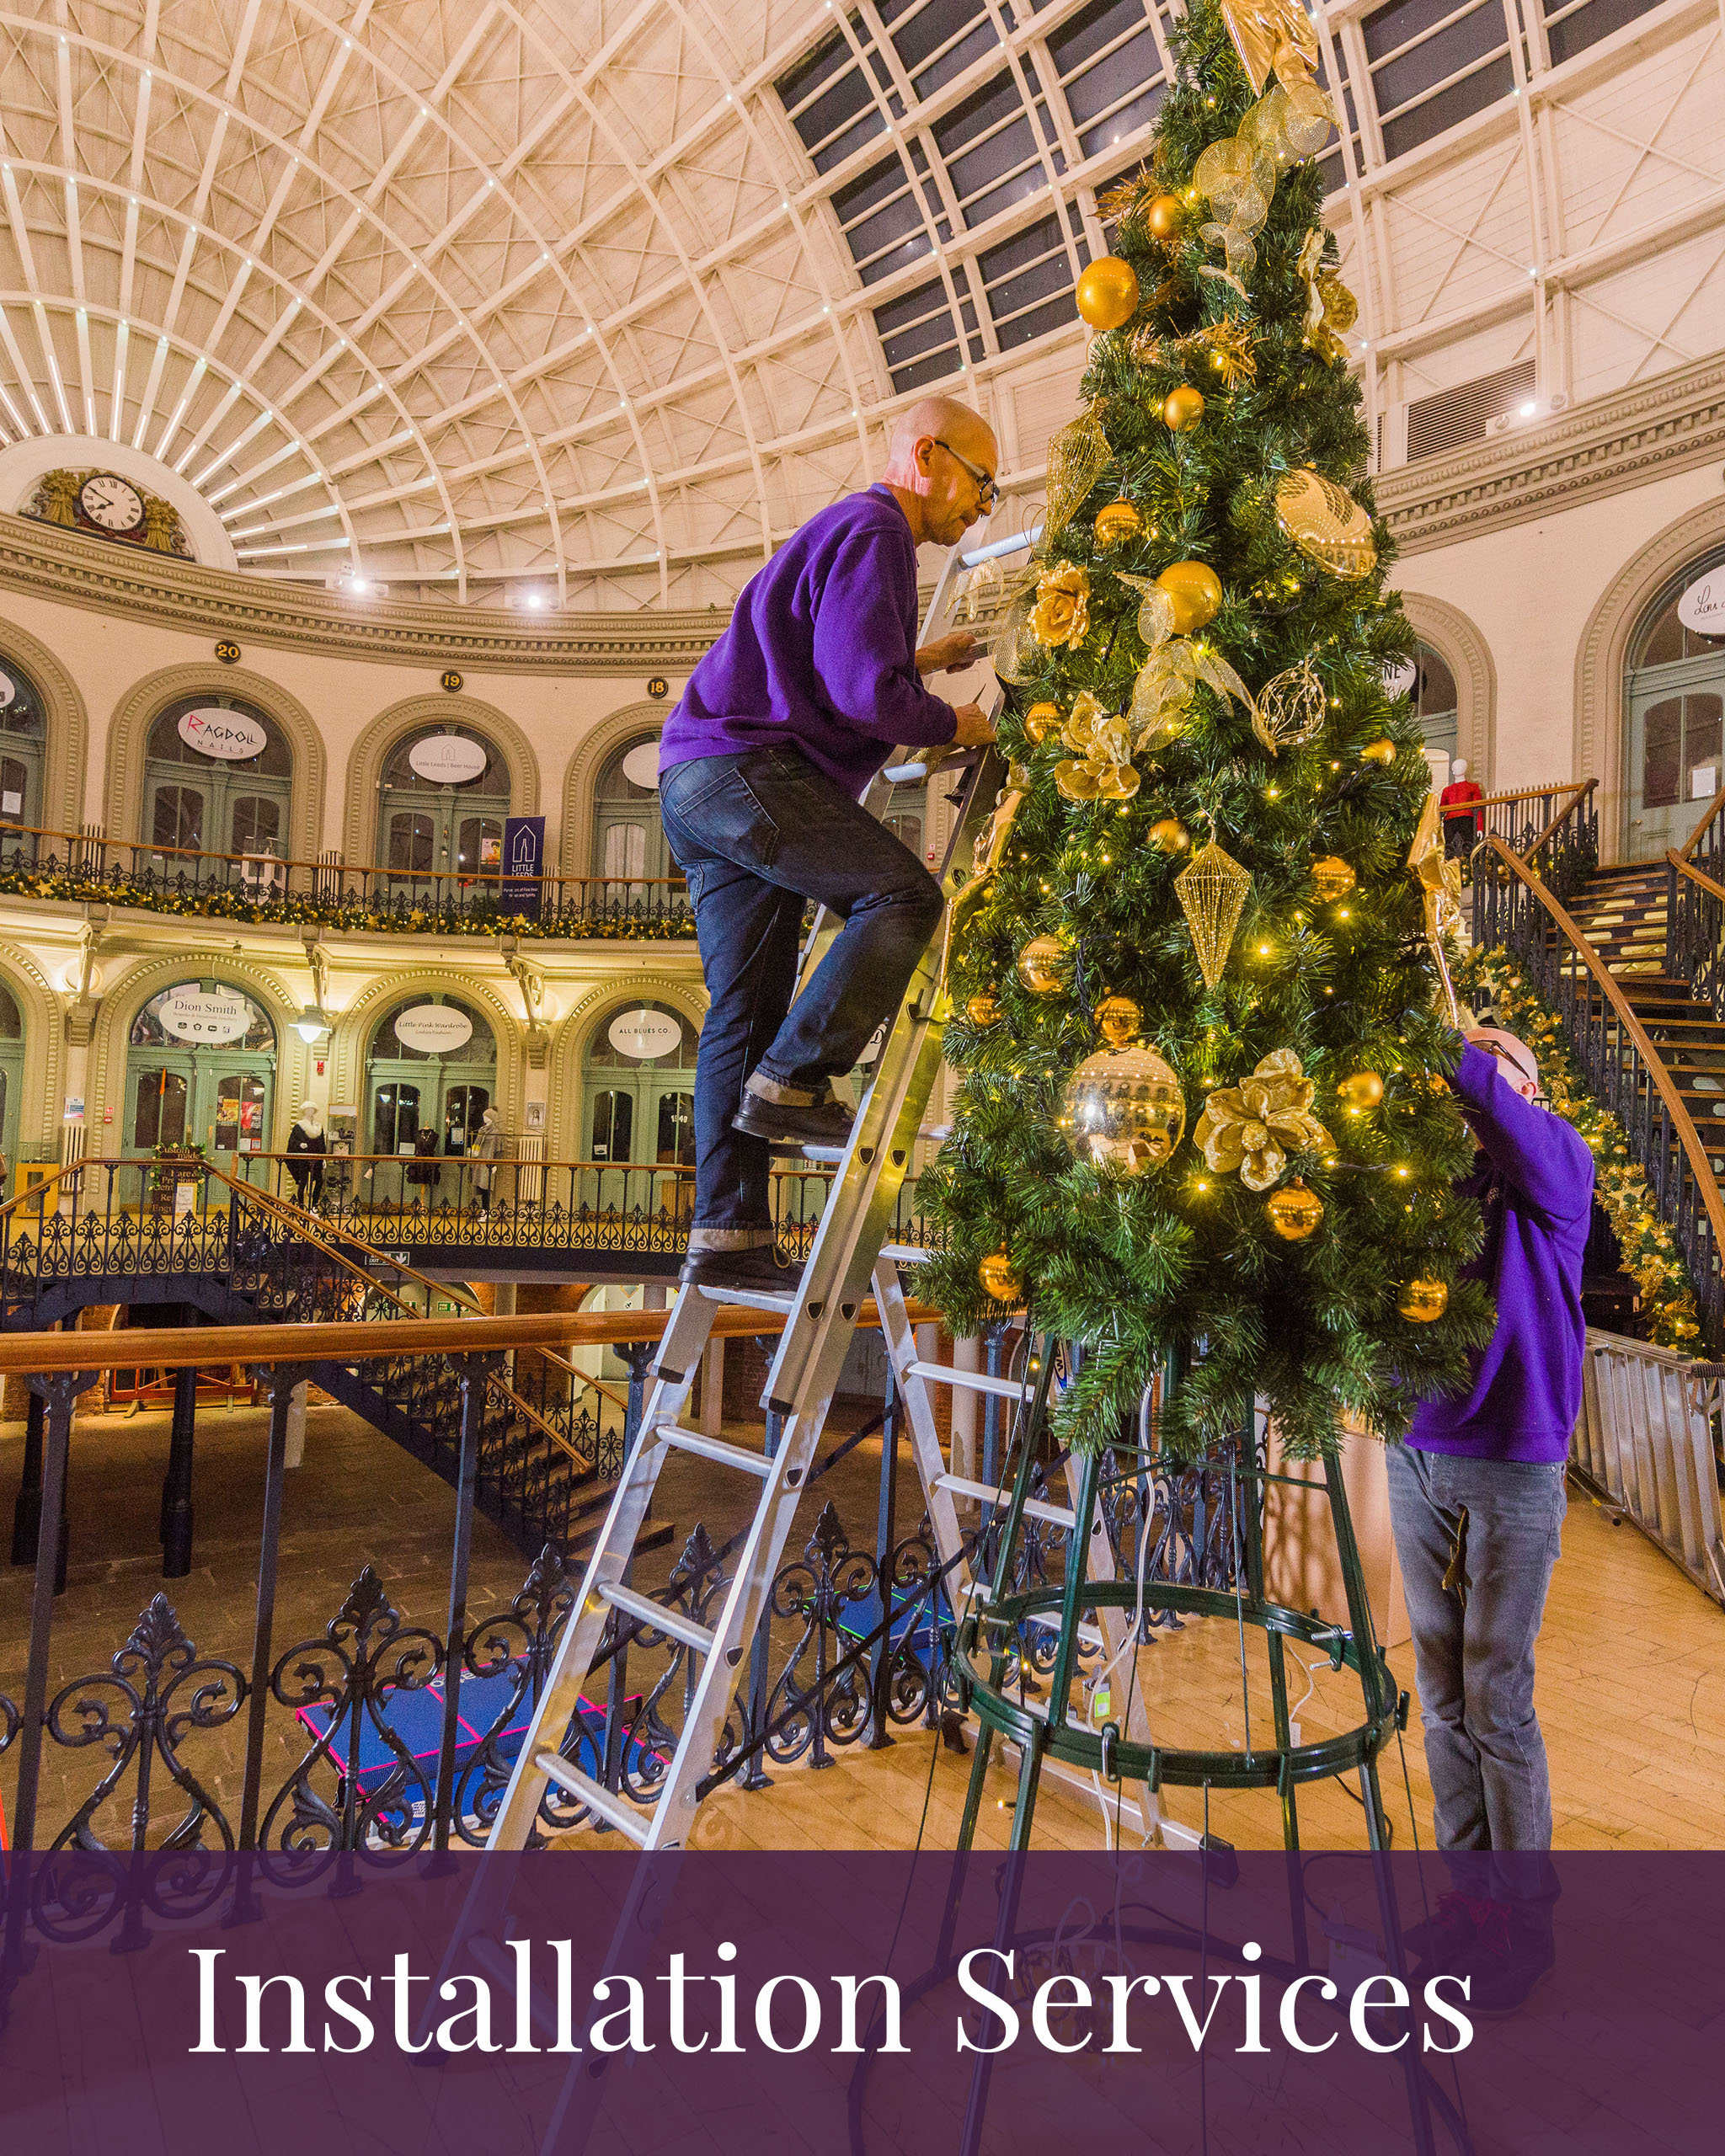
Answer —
1477 1502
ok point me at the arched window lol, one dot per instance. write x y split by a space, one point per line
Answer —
430 1075
628 839
442 803
218 778
200 1070
638 1083
23 737
11 1079
1674 711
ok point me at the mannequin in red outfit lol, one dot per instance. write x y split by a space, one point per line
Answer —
1463 824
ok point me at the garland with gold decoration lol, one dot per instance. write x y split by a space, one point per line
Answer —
1650 1252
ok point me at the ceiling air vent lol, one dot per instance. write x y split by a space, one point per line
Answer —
1459 415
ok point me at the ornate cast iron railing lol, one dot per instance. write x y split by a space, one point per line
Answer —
89 869
1695 930
1561 820
1514 910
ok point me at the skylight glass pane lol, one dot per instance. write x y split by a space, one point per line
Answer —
1434 64
939 38
882 220
831 102
918 335
1110 71
1028 282
1573 25
991 153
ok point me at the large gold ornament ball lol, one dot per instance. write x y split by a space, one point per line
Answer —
1041 720
1196 590
1333 878
1168 835
1042 965
1107 292
1166 214
1118 1019
1424 1300
983 1008
1326 522
1295 1212
1362 1091
1000 1276
1183 408
1123 1111
1116 522
1378 752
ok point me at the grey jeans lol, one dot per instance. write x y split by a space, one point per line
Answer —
1492 1528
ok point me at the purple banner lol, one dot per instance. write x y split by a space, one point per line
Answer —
180 2004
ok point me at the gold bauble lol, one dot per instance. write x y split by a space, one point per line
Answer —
1018 779
1042 965
1118 1019
1183 408
1041 720
1123 1111
1362 1091
1107 292
983 1008
1165 217
1326 522
1333 878
1116 522
1168 835
1422 1300
1378 752
1196 590
1000 1276
1295 1212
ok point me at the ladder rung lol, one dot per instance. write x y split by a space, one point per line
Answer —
746 1299
904 1254
656 1614
616 1810
718 1449
935 1134
1087 1634
972 1381
1038 1507
830 1156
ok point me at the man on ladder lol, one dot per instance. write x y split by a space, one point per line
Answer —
782 725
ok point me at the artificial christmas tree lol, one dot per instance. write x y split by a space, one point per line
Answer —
1210 810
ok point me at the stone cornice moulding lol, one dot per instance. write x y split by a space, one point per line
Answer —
1603 447
36 557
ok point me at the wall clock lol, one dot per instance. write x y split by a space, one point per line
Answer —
112 503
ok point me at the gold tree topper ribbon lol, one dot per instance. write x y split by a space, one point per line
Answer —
1162 696
1255 1125
1439 881
1263 28
1330 309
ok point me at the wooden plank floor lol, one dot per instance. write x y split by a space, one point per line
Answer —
1630 1695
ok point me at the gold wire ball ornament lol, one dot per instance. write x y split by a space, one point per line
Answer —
983 1008
1211 889
1123 1111
1196 592
1165 218
1000 1276
1116 522
1183 408
1326 522
1333 878
1362 1092
1078 458
1422 1300
1378 752
1291 708
1294 1212
1042 965
1118 1019
1168 835
1107 292
1041 720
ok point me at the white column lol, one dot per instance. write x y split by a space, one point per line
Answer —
712 1387
296 1454
967 1355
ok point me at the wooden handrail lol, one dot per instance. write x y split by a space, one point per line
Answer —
1527 794
1712 809
1681 1121
185 1346
1685 866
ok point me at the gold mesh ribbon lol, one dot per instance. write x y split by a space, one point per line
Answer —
1439 881
1078 458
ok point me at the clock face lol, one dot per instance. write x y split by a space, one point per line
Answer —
112 502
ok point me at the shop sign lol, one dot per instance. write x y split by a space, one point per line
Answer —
229 735
448 759
435 1028
641 766
1400 677
9 689
214 1015
1702 606
643 1034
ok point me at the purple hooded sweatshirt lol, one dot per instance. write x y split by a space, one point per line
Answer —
1534 1183
821 655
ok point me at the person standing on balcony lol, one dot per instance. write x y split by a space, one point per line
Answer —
1477 1506
781 727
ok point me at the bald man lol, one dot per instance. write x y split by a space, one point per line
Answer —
781 727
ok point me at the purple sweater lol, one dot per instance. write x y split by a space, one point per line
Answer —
820 653
1534 1183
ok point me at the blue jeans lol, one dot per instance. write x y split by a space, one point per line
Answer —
1493 1527
756 834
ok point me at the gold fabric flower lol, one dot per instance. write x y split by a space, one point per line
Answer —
1255 1125
1062 613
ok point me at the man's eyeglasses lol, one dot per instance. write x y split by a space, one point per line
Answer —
987 486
